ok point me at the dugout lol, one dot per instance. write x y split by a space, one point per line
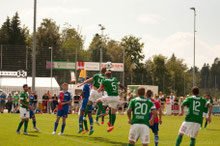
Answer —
42 84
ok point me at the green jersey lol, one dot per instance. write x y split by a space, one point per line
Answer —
197 105
141 108
97 80
25 99
111 86
15 97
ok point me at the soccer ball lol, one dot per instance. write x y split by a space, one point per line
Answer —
108 65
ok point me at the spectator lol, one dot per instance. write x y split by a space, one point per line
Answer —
130 97
49 102
172 97
15 102
175 106
35 100
55 102
2 102
76 103
161 95
44 103
168 106
9 103
162 101
121 103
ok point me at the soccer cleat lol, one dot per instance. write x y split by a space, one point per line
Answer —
85 131
102 122
53 133
18 132
25 133
109 124
102 115
80 130
37 129
97 122
60 133
110 129
91 132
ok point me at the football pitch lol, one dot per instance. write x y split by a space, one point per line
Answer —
119 136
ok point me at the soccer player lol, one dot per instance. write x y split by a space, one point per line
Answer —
94 94
155 126
110 85
85 94
31 102
205 113
65 99
140 107
24 110
193 120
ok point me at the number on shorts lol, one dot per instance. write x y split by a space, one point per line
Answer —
142 107
196 104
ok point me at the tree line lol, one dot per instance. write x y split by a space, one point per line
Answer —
171 74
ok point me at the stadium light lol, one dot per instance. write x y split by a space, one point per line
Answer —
102 28
194 52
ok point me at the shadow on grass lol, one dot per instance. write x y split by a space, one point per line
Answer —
32 135
213 129
99 139
33 132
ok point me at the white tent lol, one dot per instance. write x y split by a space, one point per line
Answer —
42 84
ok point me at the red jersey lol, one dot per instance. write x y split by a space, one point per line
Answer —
157 105
61 97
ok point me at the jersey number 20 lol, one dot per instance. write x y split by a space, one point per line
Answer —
140 108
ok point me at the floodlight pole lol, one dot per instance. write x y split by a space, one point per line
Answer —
102 28
51 68
34 48
194 50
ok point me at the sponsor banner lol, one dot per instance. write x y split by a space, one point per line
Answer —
91 66
116 67
61 65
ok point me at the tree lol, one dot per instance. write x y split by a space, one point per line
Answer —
115 51
5 31
96 45
133 57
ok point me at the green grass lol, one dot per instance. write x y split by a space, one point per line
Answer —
119 136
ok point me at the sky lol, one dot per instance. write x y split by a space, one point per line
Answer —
164 26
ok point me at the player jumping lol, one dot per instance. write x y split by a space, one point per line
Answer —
24 110
94 94
85 94
65 99
193 120
155 126
140 107
110 85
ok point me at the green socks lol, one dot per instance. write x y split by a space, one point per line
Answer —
100 106
113 117
206 123
179 140
85 124
110 115
25 126
97 114
87 110
20 125
130 144
192 142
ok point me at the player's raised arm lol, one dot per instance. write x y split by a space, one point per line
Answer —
86 81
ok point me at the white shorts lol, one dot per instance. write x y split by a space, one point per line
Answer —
94 95
190 128
105 95
111 100
205 115
24 113
139 131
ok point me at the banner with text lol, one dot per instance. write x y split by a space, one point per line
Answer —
61 65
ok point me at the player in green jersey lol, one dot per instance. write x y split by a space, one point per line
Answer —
110 85
94 94
191 126
141 107
24 110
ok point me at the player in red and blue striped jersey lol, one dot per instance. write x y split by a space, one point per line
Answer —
65 99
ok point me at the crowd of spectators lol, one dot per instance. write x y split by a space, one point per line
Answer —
48 103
